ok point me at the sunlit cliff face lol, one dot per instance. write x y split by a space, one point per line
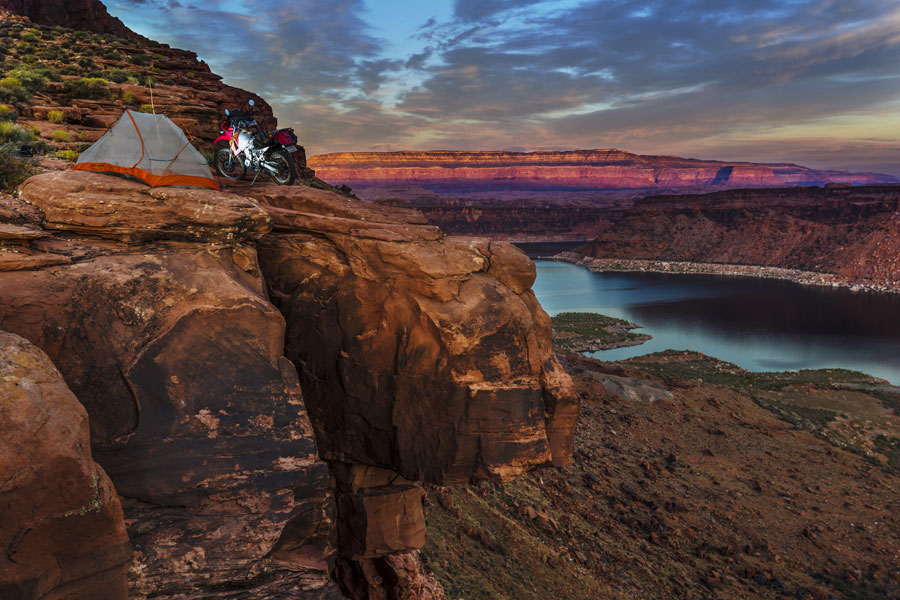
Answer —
812 82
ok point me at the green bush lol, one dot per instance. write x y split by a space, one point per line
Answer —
7 113
117 75
146 108
12 134
89 88
56 116
13 169
61 135
139 59
128 98
69 155
34 79
31 59
13 92
86 63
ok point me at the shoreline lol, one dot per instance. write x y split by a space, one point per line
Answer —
611 265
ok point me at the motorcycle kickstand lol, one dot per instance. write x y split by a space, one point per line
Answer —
254 178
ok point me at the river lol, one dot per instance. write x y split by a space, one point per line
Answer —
758 324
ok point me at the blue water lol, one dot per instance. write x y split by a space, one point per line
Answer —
758 324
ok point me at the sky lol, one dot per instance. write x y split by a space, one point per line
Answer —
814 82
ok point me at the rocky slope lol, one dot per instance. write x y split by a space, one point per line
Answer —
85 15
848 232
693 479
520 220
422 358
74 84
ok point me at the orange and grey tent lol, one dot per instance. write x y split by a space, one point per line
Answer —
150 148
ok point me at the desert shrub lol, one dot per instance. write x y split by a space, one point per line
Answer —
30 59
147 81
50 53
29 37
90 88
112 54
146 108
117 75
13 92
34 130
139 59
70 70
83 136
56 116
66 44
81 35
12 134
69 155
14 169
34 79
128 98
7 113
61 135
86 63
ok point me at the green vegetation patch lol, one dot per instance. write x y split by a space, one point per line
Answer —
589 332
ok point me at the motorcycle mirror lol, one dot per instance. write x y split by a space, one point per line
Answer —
252 103
227 112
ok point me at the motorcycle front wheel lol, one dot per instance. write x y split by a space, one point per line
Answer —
284 168
228 165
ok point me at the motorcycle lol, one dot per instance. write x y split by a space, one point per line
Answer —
251 148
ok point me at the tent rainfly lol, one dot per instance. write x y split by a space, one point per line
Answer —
150 148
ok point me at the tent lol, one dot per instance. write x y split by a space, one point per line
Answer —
150 148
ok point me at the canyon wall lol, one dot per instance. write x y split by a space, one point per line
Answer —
571 170
545 196
851 232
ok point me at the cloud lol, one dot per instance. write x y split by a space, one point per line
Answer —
661 76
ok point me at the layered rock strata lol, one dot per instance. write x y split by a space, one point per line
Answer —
152 305
61 527
848 233
572 170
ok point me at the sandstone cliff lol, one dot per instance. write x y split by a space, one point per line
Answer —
851 232
544 196
573 170
422 358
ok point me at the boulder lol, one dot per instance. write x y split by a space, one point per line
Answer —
61 525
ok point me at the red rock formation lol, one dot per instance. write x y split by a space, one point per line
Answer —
852 232
423 358
580 169
419 353
61 527
151 303
87 15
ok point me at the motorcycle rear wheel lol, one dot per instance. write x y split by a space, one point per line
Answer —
284 173
228 165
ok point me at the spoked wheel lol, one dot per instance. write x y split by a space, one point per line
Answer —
284 168
228 165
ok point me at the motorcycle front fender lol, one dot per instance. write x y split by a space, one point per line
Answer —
222 138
